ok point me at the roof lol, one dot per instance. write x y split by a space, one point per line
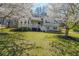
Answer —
36 18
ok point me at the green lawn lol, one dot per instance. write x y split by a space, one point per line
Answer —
37 44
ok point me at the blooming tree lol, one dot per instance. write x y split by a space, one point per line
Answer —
69 13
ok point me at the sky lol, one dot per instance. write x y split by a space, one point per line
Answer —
39 8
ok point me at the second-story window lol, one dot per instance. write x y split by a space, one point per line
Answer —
55 21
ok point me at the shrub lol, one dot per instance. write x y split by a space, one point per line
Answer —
22 29
76 29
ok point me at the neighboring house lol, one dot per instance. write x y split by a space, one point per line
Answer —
12 23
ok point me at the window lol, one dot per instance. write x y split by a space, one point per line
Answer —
46 21
42 19
28 21
25 22
55 21
47 27
54 27
21 22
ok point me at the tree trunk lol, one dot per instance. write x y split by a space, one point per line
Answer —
66 32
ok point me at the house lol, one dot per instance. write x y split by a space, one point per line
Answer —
39 24
12 23
34 23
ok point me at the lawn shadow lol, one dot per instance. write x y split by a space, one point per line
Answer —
20 30
16 30
68 38
55 32
3 33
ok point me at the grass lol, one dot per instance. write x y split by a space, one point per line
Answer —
37 44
